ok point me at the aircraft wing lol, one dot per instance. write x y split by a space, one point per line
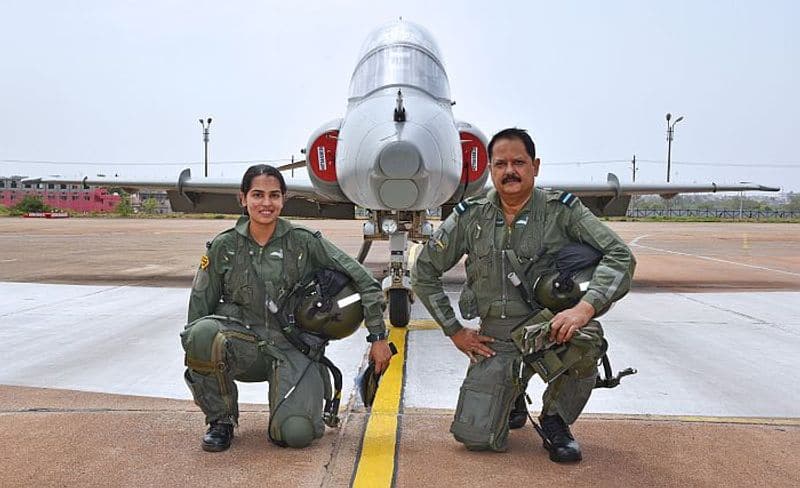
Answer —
612 197
216 195
297 186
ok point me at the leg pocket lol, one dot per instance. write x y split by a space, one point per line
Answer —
246 361
481 420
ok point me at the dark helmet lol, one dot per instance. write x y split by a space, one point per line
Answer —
556 292
564 288
329 306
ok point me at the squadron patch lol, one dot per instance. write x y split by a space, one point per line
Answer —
438 240
204 262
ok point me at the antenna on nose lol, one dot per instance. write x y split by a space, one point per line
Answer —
399 110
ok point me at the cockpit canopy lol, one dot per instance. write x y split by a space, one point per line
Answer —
400 53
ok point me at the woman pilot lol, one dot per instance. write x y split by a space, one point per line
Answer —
240 316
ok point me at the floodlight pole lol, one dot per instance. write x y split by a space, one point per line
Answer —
670 132
206 127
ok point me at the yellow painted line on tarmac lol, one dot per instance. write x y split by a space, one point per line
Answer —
376 464
423 324
417 324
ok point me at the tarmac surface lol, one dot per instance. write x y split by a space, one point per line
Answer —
92 393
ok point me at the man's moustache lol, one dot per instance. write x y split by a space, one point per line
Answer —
510 178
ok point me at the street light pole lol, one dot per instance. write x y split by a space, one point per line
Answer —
670 131
206 126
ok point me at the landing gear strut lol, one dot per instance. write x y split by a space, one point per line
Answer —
398 228
362 253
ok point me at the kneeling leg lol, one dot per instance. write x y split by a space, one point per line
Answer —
297 388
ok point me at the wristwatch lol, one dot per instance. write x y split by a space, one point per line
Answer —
377 337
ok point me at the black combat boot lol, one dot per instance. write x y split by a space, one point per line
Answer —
218 437
563 446
519 414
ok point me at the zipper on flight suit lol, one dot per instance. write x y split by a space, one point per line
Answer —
504 296
504 269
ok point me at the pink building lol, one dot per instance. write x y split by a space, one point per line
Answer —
58 196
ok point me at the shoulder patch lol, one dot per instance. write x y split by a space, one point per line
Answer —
469 202
567 198
461 207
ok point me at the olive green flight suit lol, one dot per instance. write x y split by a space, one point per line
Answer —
230 336
477 227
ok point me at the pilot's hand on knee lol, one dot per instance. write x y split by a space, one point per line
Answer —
564 325
471 343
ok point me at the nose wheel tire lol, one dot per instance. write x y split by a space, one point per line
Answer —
399 307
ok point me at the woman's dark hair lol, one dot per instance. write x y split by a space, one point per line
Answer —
514 133
258 170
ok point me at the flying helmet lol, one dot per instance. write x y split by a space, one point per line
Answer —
329 306
564 288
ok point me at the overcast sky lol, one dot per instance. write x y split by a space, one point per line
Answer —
119 83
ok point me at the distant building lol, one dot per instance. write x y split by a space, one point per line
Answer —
58 196
160 196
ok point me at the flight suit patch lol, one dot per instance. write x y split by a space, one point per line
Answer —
438 240
204 262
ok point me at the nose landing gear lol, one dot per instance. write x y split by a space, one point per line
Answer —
397 228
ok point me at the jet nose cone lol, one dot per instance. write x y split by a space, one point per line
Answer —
400 159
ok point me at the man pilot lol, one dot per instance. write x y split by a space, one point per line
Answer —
516 226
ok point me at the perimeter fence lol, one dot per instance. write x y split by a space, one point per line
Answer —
716 213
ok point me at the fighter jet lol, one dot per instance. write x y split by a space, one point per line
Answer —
397 152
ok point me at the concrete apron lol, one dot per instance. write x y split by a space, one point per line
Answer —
687 370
